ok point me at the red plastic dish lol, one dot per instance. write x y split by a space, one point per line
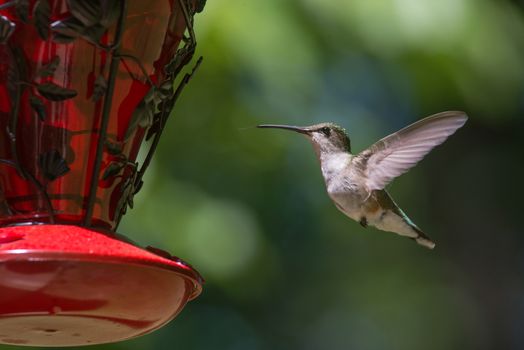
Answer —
65 285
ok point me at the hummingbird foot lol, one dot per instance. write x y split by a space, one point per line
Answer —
363 222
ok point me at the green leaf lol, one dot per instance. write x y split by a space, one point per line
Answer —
94 33
63 39
22 10
89 12
155 127
142 116
12 78
200 5
53 92
138 187
111 11
52 164
113 148
112 170
166 89
41 15
100 88
6 29
149 115
125 189
67 30
38 107
182 56
16 72
50 68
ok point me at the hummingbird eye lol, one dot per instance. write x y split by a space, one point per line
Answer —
326 131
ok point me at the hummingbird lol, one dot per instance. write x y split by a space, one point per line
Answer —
356 182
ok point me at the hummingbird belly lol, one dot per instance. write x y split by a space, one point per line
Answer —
367 209
350 203
382 212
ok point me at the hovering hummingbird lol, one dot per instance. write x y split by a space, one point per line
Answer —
356 183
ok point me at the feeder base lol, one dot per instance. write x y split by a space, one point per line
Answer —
96 289
60 330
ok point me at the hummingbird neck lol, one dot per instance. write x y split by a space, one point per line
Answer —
332 163
326 148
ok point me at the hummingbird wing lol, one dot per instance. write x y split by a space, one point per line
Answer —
397 153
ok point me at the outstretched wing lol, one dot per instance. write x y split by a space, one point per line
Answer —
397 153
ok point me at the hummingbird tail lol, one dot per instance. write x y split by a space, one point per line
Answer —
422 239
426 242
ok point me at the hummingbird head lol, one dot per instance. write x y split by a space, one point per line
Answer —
326 137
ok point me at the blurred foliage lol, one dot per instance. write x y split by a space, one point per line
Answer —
248 208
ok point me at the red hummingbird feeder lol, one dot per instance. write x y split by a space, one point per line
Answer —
82 85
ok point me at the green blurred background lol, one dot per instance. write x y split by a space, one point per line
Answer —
247 207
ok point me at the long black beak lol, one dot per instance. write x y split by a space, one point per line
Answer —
286 127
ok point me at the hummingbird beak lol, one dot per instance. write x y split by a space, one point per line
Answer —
286 127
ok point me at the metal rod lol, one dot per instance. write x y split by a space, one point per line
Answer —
39 187
115 61
44 193
7 4
13 121
140 65
11 132
168 104
189 23
163 120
